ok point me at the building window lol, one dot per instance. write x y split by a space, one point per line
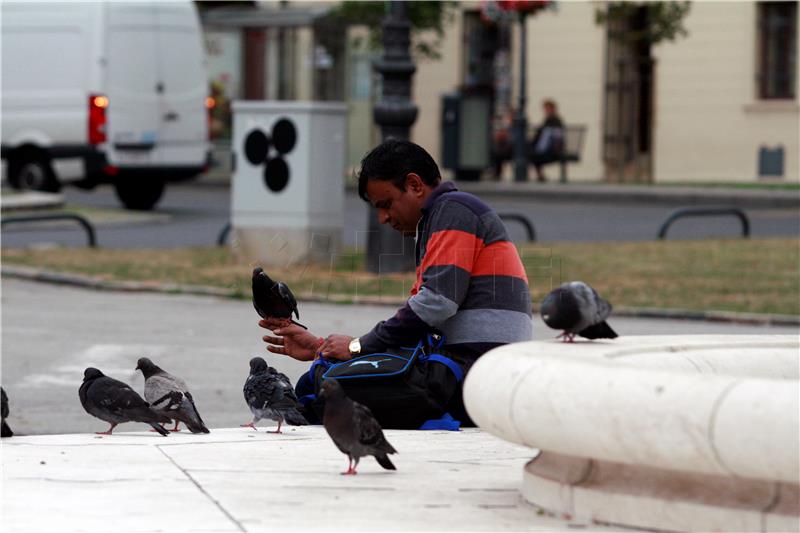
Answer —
777 34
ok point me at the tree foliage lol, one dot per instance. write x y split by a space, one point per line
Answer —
428 22
664 19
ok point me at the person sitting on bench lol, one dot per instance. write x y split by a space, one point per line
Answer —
548 142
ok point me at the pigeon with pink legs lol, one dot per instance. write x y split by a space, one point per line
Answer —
116 402
577 309
269 394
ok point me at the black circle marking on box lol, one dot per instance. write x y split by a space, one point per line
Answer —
284 135
256 147
276 174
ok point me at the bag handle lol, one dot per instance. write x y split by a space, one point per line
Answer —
446 361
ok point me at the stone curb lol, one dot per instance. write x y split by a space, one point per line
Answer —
76 280
759 198
695 196
30 201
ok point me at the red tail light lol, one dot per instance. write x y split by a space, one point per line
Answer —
211 103
97 118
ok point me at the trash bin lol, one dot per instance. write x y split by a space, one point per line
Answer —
466 135
288 164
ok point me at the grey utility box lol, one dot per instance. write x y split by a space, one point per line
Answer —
288 180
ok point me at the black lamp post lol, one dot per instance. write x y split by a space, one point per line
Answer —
520 124
387 250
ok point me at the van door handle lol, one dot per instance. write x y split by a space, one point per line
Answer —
171 116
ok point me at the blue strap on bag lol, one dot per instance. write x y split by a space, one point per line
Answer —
405 388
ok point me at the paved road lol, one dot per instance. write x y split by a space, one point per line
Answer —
194 214
51 333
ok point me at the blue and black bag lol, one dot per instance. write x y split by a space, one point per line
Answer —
404 388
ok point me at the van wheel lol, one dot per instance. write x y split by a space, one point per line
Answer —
140 194
32 171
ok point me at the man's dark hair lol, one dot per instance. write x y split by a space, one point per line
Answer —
392 161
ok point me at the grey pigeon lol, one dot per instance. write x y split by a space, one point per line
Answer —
273 298
270 394
5 431
169 396
115 402
577 309
353 428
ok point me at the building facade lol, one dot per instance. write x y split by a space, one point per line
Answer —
717 105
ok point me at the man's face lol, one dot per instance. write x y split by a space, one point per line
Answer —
400 209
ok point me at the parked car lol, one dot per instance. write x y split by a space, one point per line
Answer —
103 92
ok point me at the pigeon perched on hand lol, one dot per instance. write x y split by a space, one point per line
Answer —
273 299
169 396
577 309
353 429
5 431
270 394
115 402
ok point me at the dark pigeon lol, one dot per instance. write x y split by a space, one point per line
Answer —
273 299
577 309
270 394
353 428
5 431
115 402
168 395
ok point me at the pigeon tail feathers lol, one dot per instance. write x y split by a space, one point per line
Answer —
384 461
160 429
293 417
598 331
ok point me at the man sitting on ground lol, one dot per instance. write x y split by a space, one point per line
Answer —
471 286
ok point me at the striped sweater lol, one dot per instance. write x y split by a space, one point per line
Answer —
471 286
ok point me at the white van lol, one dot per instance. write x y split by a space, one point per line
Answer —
103 92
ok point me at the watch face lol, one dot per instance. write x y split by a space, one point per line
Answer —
355 346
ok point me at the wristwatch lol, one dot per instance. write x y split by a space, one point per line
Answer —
355 346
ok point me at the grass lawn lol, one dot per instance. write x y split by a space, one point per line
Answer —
744 275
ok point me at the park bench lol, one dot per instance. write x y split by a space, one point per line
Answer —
573 146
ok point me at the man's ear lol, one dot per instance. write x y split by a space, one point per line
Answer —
414 183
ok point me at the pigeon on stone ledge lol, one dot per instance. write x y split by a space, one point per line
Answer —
169 396
577 309
115 402
270 394
353 429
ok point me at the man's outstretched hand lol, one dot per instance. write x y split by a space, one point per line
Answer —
292 340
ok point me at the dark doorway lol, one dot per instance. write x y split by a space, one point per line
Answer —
628 109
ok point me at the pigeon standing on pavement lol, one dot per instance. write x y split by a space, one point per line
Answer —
5 431
169 396
273 298
115 402
270 394
353 429
577 309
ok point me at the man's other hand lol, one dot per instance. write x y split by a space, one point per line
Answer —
292 340
336 347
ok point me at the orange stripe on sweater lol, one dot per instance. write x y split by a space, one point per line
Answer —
452 247
499 259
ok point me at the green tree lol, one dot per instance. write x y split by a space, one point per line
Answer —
428 21
665 20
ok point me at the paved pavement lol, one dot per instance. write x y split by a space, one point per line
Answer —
232 479
51 333
240 480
